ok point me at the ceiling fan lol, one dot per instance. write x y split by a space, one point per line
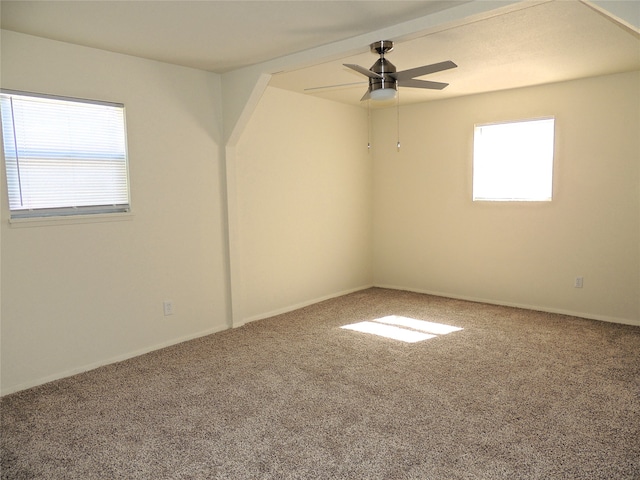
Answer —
384 80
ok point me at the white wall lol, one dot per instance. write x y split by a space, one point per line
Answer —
303 193
429 236
80 295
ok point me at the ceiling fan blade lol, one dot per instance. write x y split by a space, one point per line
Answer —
412 82
363 70
424 70
366 96
339 85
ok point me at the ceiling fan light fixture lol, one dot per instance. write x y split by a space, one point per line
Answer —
382 94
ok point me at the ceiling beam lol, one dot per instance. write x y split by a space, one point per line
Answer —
626 13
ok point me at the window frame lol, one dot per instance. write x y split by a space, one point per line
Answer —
70 213
515 199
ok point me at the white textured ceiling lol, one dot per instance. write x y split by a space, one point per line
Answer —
212 35
542 43
532 43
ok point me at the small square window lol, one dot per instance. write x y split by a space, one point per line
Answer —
514 161
63 156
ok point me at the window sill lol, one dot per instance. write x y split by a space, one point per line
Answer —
70 219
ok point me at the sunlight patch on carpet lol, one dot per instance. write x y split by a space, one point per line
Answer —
405 329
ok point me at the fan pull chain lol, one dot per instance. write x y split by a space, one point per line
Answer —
368 125
398 118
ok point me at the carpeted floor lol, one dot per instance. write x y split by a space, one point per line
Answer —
514 394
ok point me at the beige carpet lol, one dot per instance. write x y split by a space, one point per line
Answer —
514 394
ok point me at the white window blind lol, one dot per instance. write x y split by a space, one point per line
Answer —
63 156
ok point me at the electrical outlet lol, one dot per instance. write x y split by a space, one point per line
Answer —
578 282
167 305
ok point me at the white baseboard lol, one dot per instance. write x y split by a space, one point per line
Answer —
108 361
296 306
590 316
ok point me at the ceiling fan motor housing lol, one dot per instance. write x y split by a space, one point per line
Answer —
383 66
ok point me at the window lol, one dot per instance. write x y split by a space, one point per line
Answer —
63 156
513 161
